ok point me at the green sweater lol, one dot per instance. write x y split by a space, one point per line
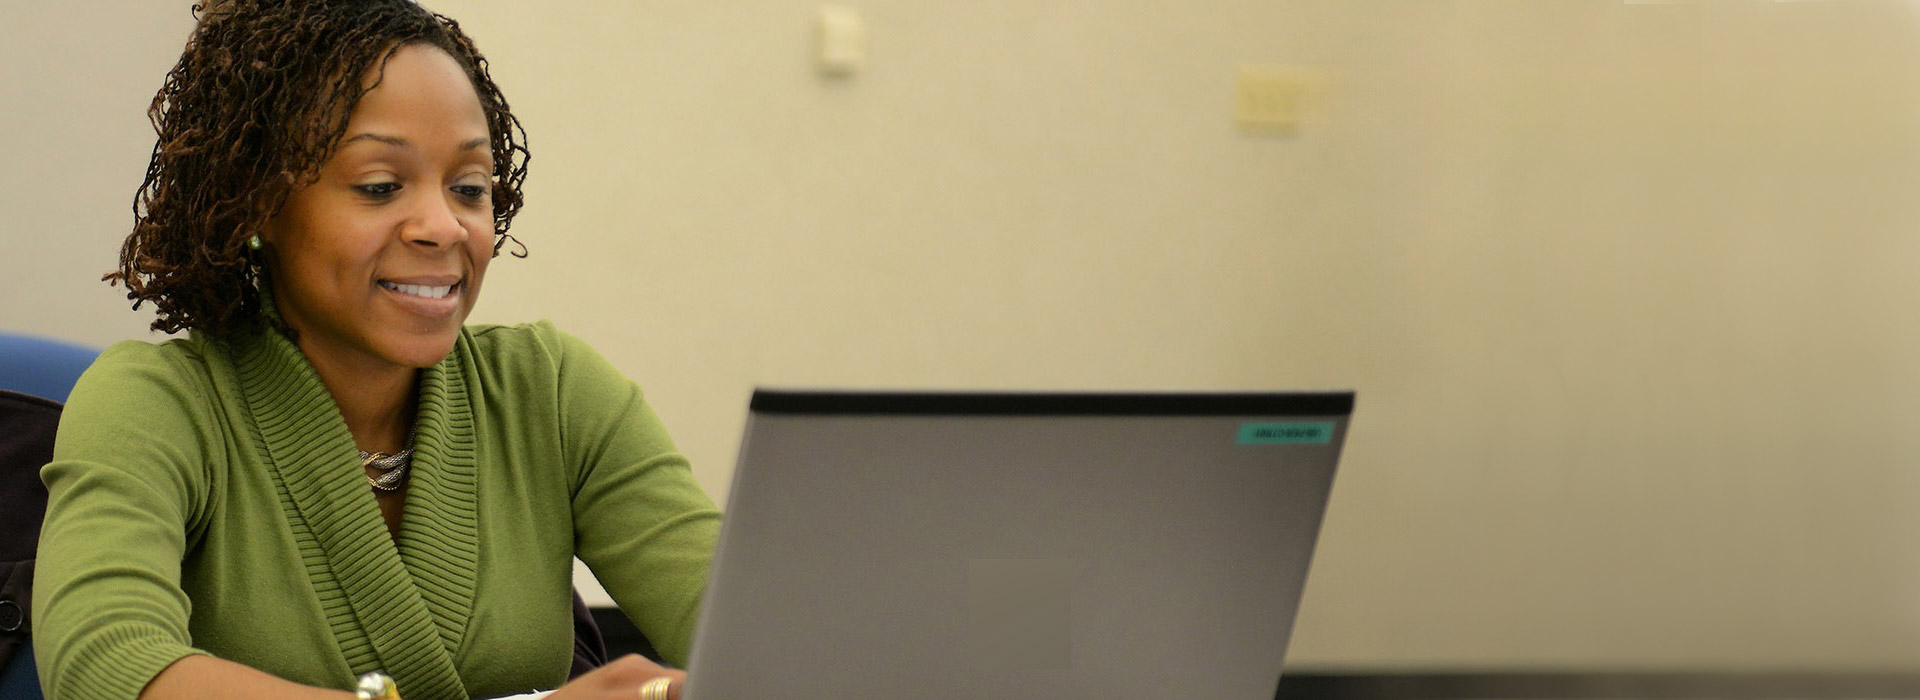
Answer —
206 497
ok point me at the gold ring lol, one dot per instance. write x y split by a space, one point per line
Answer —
655 689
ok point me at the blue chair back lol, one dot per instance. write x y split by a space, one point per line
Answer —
42 367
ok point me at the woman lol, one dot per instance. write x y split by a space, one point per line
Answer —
332 475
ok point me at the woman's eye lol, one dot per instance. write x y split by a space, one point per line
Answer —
474 192
379 190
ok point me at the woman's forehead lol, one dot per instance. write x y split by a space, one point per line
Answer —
419 86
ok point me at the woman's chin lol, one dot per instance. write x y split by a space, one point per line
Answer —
422 353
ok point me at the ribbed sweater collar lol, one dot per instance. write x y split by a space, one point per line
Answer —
409 600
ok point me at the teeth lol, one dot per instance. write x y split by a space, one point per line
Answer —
419 290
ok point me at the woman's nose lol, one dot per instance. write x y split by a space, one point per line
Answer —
435 223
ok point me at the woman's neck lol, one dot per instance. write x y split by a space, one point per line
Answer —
377 401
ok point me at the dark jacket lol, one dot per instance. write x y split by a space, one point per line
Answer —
27 426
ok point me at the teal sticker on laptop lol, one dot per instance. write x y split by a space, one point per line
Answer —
1296 433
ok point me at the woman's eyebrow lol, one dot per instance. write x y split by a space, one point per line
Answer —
382 138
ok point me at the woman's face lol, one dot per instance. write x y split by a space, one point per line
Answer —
378 262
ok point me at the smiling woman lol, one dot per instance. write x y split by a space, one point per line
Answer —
333 475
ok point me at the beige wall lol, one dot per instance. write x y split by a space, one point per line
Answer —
1627 289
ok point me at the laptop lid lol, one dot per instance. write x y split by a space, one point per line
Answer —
1061 546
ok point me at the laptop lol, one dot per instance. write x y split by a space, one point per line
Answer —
925 546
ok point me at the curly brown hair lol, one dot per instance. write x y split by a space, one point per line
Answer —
255 106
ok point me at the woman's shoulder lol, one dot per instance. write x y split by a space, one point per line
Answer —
169 389
511 333
175 362
537 347
518 342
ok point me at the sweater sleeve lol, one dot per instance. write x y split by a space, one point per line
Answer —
127 474
641 522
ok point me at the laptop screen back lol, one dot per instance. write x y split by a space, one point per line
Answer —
1015 545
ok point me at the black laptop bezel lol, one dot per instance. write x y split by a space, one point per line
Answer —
986 403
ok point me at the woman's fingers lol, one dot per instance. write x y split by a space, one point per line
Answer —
625 678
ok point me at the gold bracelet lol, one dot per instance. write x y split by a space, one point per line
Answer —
376 686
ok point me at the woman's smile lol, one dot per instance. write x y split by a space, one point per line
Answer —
431 298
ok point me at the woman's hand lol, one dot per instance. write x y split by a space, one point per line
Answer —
620 678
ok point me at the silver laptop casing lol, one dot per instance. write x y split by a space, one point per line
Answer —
1057 546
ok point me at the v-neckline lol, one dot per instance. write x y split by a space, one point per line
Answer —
410 596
